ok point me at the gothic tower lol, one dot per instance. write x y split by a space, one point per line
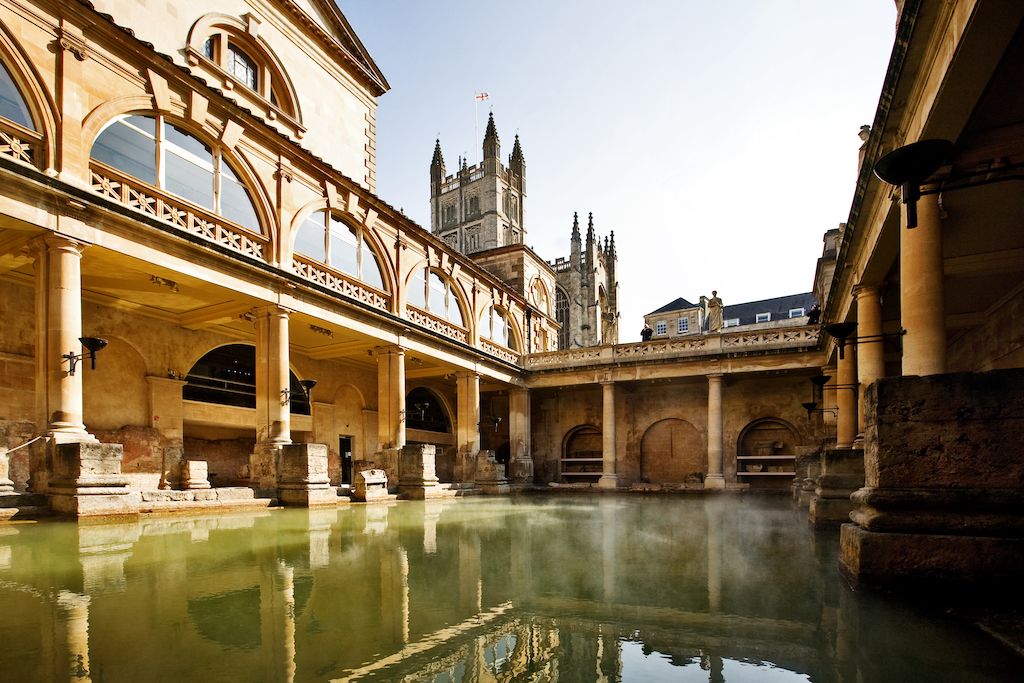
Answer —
480 207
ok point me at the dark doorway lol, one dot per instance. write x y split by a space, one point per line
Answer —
345 454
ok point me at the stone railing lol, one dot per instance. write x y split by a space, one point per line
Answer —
436 324
682 347
499 352
19 143
339 282
209 226
561 266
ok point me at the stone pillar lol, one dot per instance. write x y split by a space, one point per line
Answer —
87 481
58 326
468 424
922 293
390 397
273 407
715 478
304 480
608 477
417 472
520 458
167 415
870 344
846 398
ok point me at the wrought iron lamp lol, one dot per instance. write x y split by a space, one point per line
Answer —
92 345
911 165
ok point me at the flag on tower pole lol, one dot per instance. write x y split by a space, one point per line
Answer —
480 97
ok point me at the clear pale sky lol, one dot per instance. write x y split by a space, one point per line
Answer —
717 139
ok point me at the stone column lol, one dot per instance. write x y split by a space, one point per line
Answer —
390 397
846 398
520 458
870 344
608 477
468 388
273 407
715 478
58 326
922 294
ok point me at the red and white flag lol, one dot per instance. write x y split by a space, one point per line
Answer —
482 96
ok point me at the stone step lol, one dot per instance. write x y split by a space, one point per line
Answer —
149 507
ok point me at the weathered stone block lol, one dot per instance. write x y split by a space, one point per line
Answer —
234 493
304 479
490 474
263 464
194 475
370 485
416 473
6 485
959 430
842 473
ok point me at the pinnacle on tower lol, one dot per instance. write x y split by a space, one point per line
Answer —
491 143
516 161
437 163
575 226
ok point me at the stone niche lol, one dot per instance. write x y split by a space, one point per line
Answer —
944 467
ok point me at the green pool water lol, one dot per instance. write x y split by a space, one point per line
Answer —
536 588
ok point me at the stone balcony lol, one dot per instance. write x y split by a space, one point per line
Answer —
733 343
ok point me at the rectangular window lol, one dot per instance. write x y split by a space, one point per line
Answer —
662 328
731 322
796 312
683 325
763 317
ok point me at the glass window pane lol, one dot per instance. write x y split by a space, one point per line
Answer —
127 150
146 124
436 295
241 67
454 312
189 143
12 104
236 204
188 181
371 268
343 252
311 239
415 295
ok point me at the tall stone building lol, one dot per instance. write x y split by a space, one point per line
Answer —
586 301
478 211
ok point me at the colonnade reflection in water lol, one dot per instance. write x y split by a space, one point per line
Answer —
556 588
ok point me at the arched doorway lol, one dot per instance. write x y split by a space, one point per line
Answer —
427 421
766 453
672 452
582 461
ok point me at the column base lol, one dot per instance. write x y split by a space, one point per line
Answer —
825 513
608 481
878 558
416 473
304 479
714 481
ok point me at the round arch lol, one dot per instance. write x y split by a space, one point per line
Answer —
37 98
514 324
204 26
437 413
384 261
672 452
103 115
461 299
226 375
542 301
582 455
766 451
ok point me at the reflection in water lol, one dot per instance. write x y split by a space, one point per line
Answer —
568 589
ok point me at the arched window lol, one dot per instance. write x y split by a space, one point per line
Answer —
235 57
424 410
432 292
327 239
495 326
562 316
12 104
539 297
160 153
227 376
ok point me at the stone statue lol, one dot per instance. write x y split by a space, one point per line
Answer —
713 308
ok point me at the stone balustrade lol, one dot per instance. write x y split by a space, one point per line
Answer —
714 344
